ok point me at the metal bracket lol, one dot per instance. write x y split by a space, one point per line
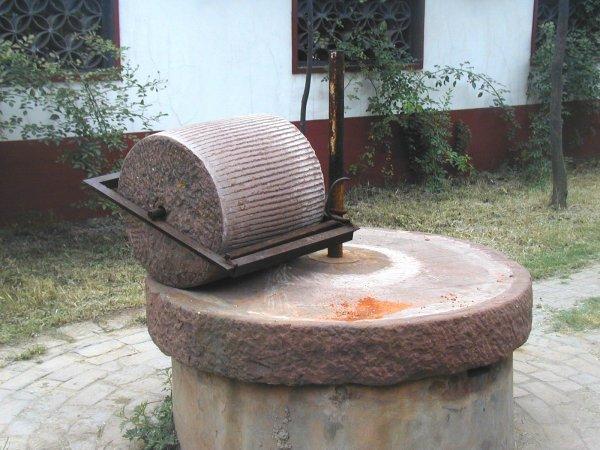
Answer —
238 261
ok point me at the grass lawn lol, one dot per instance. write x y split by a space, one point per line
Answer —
584 316
501 212
64 273
68 272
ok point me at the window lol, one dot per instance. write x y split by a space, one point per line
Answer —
55 25
404 19
547 10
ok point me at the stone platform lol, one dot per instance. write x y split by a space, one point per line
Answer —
403 319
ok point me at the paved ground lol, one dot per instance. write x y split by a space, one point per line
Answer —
71 396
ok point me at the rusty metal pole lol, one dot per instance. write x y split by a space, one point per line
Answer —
336 139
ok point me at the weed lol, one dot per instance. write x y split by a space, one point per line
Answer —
155 429
584 316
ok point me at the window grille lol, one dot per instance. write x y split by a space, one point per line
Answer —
57 26
336 19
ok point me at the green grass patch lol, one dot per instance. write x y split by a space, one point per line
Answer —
585 316
53 275
27 354
154 428
498 210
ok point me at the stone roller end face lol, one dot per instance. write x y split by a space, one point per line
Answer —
226 184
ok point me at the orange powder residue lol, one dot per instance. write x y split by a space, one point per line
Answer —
366 308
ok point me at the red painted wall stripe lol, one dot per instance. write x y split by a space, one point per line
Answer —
31 181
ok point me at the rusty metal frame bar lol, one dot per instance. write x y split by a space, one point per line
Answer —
106 185
242 260
336 142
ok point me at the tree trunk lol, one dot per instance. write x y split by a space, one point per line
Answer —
309 63
559 173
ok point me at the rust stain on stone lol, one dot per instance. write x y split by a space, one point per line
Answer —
366 308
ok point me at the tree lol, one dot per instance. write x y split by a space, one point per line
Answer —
309 63
559 173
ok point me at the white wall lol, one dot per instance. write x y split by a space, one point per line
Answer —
225 58
493 35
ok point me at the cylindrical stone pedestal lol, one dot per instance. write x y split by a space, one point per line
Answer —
405 343
470 410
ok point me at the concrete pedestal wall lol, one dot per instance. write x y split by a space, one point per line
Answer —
469 410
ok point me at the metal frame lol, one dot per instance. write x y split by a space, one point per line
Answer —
242 260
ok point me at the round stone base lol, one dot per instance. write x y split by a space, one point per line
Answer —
469 410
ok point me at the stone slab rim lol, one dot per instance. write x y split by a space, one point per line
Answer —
368 352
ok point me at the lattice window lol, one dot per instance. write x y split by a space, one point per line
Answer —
56 24
337 18
547 10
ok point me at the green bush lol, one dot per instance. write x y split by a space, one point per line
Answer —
581 81
155 429
90 109
414 102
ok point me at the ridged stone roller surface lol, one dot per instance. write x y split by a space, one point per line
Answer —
227 184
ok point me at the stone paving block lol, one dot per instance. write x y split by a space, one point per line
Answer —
539 411
42 386
20 427
80 330
22 394
584 366
50 403
92 394
112 366
560 369
585 379
594 387
90 340
590 436
564 437
147 346
519 378
110 436
139 358
126 333
566 385
87 443
546 393
122 320
22 380
589 358
136 338
99 349
523 367
21 366
150 384
546 375
13 442
112 355
60 361
518 392
4 393
66 373
48 440
160 363
7 373
10 409
83 379
129 374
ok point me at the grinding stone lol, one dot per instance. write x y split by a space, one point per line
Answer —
227 184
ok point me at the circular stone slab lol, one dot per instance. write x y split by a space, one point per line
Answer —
405 306
227 184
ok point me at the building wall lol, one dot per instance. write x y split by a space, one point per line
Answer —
224 58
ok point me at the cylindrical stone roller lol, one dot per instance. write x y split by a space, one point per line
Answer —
226 184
